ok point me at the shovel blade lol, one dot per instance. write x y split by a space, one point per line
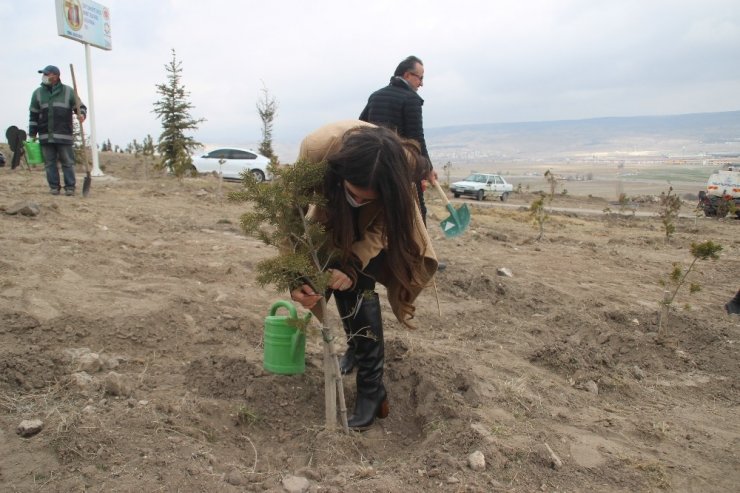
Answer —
86 185
458 221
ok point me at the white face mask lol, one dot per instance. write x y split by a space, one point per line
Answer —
351 200
45 80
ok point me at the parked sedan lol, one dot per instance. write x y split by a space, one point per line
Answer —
232 162
482 185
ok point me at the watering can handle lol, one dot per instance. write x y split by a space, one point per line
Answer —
283 304
441 192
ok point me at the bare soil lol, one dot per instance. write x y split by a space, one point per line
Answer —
131 326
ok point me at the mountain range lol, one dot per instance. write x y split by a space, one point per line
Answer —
672 136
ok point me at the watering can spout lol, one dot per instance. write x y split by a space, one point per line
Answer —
298 343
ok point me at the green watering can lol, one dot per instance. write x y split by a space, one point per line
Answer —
285 342
33 152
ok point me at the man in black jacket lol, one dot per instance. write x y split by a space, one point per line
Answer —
398 106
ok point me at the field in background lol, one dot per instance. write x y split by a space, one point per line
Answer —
603 181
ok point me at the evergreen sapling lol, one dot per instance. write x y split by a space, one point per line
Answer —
278 218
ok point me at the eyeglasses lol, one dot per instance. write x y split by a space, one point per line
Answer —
420 77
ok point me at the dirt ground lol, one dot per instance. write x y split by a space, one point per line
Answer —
131 327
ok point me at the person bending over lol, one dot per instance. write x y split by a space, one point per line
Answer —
376 235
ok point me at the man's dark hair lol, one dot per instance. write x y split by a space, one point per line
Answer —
407 65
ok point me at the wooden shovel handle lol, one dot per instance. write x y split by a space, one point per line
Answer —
77 105
441 192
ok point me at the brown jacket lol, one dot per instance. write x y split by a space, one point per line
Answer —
316 147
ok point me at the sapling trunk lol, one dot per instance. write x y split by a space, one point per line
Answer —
333 386
668 297
663 314
220 180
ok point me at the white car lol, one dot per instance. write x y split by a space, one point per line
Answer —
482 185
232 162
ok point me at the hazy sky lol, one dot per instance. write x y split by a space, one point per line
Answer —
486 61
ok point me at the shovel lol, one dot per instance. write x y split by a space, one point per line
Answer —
88 179
459 219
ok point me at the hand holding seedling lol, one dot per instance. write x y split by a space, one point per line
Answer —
306 296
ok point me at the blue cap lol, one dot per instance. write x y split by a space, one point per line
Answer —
49 69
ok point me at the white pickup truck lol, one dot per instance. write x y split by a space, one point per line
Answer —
482 185
723 192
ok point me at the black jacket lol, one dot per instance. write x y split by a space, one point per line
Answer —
398 107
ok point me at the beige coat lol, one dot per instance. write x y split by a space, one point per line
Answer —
316 147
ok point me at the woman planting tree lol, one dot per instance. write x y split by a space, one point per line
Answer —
375 234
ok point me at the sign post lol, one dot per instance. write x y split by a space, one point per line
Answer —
89 23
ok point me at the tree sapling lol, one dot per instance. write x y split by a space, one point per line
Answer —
278 218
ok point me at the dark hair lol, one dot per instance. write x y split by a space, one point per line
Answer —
377 159
407 65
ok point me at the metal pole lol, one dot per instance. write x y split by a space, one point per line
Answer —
96 171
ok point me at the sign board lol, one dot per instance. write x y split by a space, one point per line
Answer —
84 21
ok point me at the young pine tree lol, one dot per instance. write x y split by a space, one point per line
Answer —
707 250
670 205
148 146
147 150
552 182
174 146
539 215
278 218
267 109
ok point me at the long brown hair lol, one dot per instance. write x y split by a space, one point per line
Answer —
377 159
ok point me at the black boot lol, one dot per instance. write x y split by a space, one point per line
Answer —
367 327
347 362
346 307
733 306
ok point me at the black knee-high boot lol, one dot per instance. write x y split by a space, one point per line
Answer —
367 328
346 307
